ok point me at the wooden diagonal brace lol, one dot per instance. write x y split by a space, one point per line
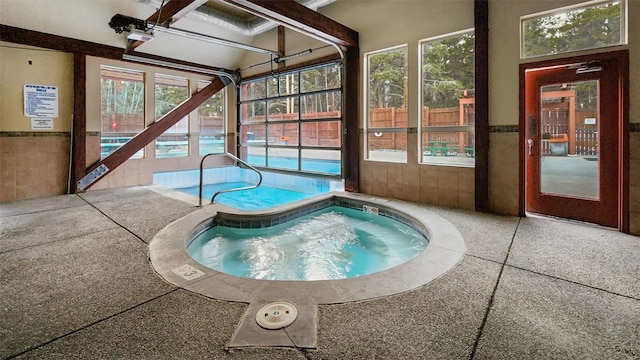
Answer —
122 154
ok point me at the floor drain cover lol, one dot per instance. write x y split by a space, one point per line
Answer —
276 315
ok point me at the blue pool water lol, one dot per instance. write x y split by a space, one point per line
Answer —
262 197
281 162
333 243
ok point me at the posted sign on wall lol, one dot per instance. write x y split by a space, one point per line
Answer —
40 101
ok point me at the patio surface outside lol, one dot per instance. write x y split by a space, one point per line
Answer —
76 283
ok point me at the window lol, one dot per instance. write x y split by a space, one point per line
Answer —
211 120
292 121
170 92
122 108
386 114
447 116
589 25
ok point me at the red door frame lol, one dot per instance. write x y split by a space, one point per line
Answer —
622 58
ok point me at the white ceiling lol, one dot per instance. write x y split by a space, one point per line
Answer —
88 20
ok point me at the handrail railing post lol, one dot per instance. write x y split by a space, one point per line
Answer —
201 178
238 160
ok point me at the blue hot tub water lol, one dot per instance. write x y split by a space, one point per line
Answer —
333 243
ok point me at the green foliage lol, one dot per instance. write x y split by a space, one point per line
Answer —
122 97
587 95
448 68
574 30
214 106
321 78
317 79
168 97
387 77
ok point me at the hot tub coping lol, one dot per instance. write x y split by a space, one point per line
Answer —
171 261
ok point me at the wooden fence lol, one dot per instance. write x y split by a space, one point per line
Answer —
314 133
555 123
397 118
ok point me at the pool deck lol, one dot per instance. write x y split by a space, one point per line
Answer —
77 283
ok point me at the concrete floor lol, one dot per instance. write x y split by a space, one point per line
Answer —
570 176
76 283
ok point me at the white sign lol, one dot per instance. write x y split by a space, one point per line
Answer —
590 121
40 101
41 124
188 272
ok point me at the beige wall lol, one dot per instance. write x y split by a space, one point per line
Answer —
33 163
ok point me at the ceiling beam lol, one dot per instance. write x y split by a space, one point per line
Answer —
176 9
55 42
171 11
300 18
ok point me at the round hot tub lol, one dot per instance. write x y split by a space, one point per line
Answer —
333 248
328 244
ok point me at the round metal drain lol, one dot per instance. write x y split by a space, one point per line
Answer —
276 315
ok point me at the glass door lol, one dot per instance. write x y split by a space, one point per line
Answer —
572 120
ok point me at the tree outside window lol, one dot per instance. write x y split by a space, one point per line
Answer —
122 108
211 122
386 124
293 121
447 125
581 28
170 92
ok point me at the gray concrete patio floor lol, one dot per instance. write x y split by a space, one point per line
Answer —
76 283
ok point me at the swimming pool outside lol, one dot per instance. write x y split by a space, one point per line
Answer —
276 188
262 197
323 166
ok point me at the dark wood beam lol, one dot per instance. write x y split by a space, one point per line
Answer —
154 130
300 18
281 45
79 131
481 23
351 120
173 10
55 42
169 13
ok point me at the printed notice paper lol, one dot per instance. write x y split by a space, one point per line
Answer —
41 124
40 101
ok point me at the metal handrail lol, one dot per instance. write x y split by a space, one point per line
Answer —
227 190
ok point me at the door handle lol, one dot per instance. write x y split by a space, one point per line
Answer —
530 142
